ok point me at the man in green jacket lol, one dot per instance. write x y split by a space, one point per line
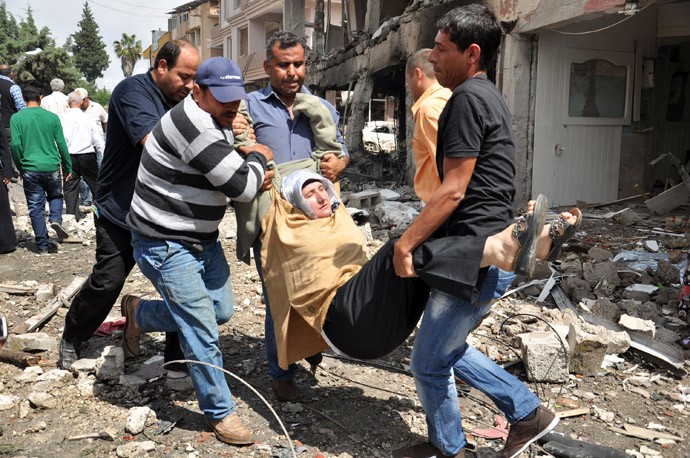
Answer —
38 149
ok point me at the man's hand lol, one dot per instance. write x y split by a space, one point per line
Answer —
6 181
263 149
332 167
68 177
240 125
268 180
402 261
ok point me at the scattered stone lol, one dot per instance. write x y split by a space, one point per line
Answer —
388 194
396 214
666 335
88 387
603 415
135 449
30 374
637 324
111 364
130 380
32 341
647 311
367 199
606 309
595 272
137 418
625 217
24 409
588 345
651 245
248 366
667 272
6 402
84 365
543 357
179 384
55 374
292 407
42 400
45 292
599 254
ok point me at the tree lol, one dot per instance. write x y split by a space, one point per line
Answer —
90 56
128 49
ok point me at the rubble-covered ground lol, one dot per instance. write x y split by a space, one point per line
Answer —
351 408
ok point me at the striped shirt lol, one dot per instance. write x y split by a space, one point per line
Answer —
188 171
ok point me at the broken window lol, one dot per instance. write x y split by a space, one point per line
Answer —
597 89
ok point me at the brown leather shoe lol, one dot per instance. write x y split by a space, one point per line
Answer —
231 430
424 450
130 338
524 432
285 390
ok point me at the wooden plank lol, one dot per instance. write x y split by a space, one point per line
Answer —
17 289
19 358
668 200
572 412
49 310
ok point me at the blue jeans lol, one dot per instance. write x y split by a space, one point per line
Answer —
274 370
197 297
39 187
441 351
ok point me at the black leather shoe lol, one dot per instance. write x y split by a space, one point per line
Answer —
68 353
174 352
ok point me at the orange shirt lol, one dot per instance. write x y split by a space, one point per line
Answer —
426 111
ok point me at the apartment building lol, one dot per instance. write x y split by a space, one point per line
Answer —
194 22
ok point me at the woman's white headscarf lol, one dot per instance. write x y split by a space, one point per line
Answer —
292 190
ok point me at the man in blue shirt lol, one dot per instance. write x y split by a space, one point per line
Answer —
136 106
289 139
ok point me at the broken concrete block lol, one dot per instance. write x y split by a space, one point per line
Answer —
635 296
6 402
30 374
542 355
131 380
606 309
179 384
137 418
135 449
396 214
84 365
647 311
675 256
604 289
625 217
45 292
651 245
55 374
111 364
387 194
666 335
599 254
595 272
41 400
587 348
619 342
667 272
87 386
365 199
32 341
632 323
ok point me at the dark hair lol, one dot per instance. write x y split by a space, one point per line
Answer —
477 24
420 60
5 70
285 40
32 91
310 181
170 52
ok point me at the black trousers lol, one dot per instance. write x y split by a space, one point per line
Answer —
86 166
375 311
95 299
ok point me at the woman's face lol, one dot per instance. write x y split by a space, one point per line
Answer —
317 198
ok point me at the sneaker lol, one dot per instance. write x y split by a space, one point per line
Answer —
424 450
285 390
68 353
130 338
231 430
59 230
524 432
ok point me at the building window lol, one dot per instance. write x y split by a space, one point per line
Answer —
229 48
244 41
271 28
238 3
599 87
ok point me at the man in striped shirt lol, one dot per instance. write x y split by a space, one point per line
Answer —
188 170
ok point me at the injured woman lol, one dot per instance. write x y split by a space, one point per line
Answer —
325 293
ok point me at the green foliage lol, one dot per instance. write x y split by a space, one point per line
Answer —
101 96
44 66
15 39
128 49
90 56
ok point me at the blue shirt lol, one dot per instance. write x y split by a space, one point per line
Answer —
289 139
135 107
16 93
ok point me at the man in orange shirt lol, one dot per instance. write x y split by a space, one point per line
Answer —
430 98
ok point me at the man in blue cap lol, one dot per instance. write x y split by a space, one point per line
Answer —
188 171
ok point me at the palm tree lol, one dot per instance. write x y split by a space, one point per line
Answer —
129 51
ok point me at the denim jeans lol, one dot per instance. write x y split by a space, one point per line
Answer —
39 187
274 370
197 297
441 351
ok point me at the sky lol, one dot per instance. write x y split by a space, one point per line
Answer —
113 17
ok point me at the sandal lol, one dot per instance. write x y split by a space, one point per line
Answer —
527 230
568 231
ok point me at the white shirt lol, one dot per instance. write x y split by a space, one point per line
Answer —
81 133
56 103
98 114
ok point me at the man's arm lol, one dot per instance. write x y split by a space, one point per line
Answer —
457 173
96 137
62 149
331 167
16 93
17 149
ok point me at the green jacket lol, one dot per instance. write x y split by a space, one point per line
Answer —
38 144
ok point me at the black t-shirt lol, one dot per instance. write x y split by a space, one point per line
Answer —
135 107
476 122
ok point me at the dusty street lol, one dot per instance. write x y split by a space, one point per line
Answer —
349 408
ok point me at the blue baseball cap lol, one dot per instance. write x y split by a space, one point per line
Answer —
223 77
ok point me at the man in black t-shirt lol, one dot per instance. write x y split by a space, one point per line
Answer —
475 159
